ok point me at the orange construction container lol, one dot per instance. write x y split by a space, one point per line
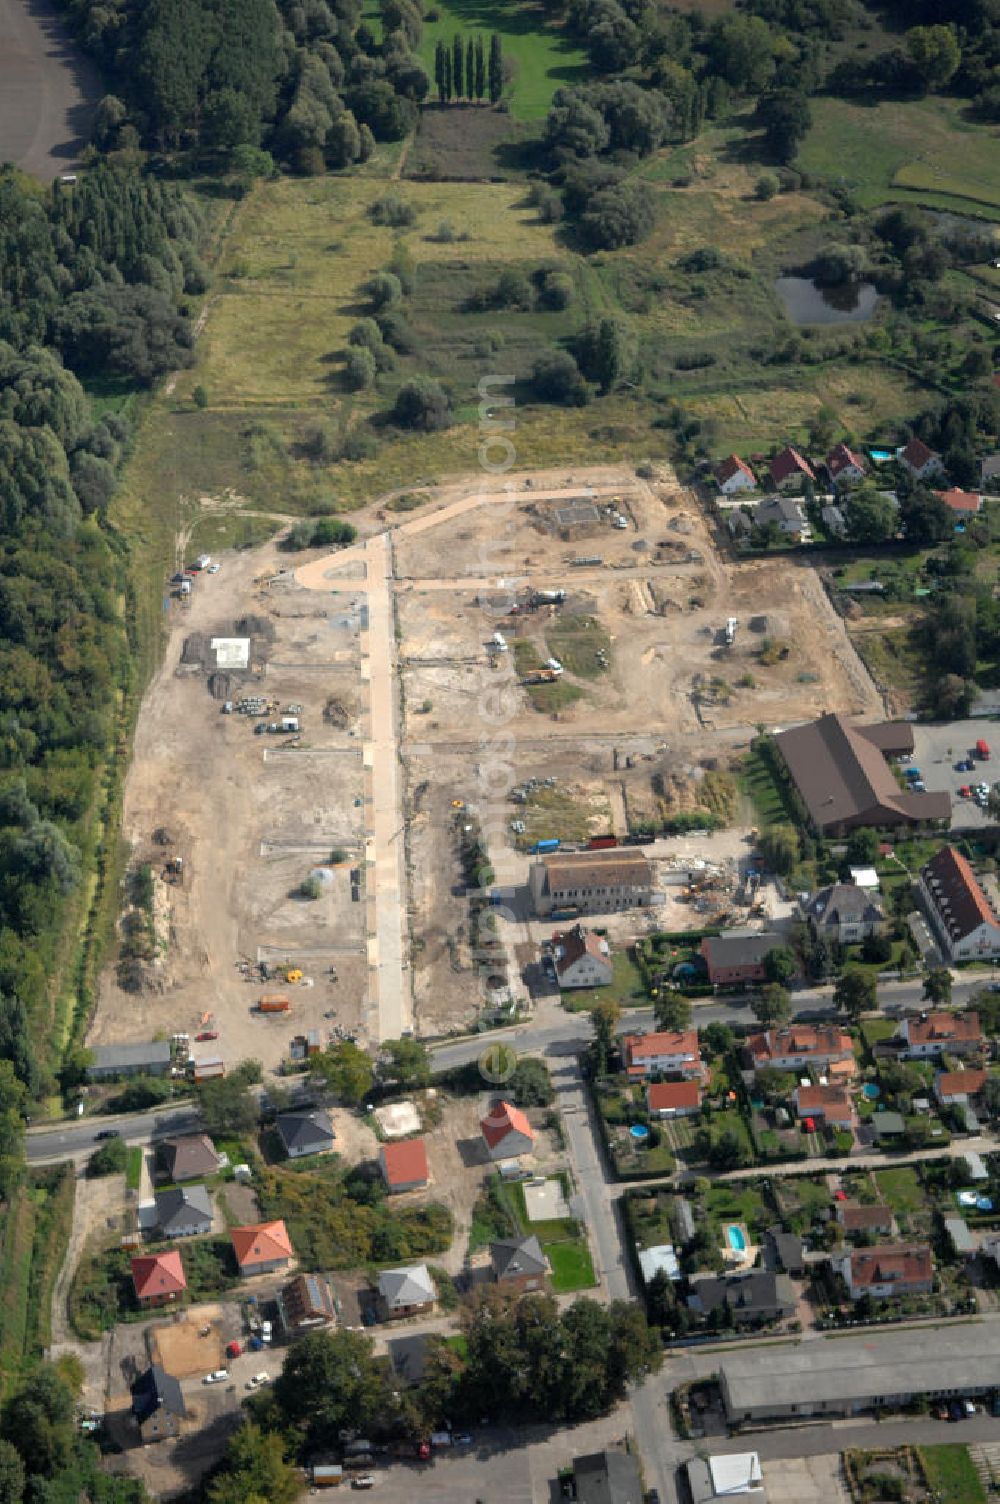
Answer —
275 1003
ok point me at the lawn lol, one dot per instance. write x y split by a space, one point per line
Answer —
738 1201
133 1168
543 55
952 1476
758 782
901 1188
626 986
572 1266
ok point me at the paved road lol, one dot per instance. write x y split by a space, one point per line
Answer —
74 1139
48 90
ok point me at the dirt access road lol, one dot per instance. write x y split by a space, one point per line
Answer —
48 90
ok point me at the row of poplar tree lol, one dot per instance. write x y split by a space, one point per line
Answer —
463 71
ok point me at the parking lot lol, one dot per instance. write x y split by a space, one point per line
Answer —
937 749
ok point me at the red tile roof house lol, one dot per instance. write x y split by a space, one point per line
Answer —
963 920
667 1053
967 503
733 475
830 1104
958 1088
404 1165
507 1132
890 1270
931 1035
844 466
789 469
919 460
674 1099
799 1046
158 1278
262 1247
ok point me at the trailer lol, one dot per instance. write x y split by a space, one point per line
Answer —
541 676
601 843
548 597
551 843
274 1003
327 1475
208 1070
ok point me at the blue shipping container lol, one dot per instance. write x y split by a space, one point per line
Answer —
551 844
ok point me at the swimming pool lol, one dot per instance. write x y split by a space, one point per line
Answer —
880 455
737 1238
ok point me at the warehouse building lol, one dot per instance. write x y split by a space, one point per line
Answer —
591 882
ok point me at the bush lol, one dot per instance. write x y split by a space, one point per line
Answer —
310 888
366 334
360 369
110 1159
557 290
618 216
142 1092
392 210
384 289
766 186
556 378
513 290
422 404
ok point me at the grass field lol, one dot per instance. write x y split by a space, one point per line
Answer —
952 1476
543 56
571 1264
901 1188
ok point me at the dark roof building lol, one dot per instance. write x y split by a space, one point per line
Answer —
785 1250
184 1211
610 1477
110 1060
845 782
305 1132
518 1260
188 1157
306 1302
157 1404
738 956
844 912
758 1295
963 919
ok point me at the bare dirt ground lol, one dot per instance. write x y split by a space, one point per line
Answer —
48 90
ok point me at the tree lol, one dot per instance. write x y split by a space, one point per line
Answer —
343 141
779 846
495 70
38 1419
110 1159
227 1106
855 993
531 1085
439 77
871 517
458 67
924 517
766 186
255 1467
408 1063
780 964
991 1096
480 69
618 216
470 69
12 1474
672 1010
422 404
718 1039
605 1017
862 846
771 1005
556 377
937 985
360 369
330 1380
786 118
346 1069
384 289
935 54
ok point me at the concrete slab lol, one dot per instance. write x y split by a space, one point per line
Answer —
805 1480
545 1202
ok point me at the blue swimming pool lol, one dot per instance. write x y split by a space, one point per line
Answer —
872 1091
639 1132
737 1238
880 455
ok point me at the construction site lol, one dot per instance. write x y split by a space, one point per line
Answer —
593 662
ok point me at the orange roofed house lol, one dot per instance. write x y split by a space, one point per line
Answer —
830 1104
507 1132
801 1045
931 1035
958 1088
887 1271
158 1278
674 1099
262 1247
964 920
671 1052
965 503
404 1165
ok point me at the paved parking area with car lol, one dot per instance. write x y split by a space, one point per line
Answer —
937 752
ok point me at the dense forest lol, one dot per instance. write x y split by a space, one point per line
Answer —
92 279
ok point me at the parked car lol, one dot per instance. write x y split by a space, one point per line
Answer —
965 792
213 569
462 1439
219 1376
258 1379
107 1133
366 1480
206 1034
809 1124
956 1410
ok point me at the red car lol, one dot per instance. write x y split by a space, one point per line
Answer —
965 792
809 1124
207 1034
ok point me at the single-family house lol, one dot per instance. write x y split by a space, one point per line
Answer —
799 1046
732 475
833 519
184 1211
756 1296
963 503
305 1132
961 1239
404 1165
785 512
736 957
668 1052
845 466
674 1099
306 1302
784 1251
610 1477
858 1219
581 958
507 1132
660 1259
740 525
738 1475
962 917
845 913
887 1126
188 1157
591 882
519 1263
886 1272
933 1034
958 1088
262 1247
789 469
157 1405
919 460
405 1292
111 1061
158 1278
828 1104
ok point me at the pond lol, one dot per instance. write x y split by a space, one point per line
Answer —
805 302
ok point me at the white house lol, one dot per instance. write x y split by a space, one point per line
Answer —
733 476
670 1052
964 921
844 466
939 1033
919 460
581 958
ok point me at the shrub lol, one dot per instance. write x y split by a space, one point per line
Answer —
360 369
392 210
365 333
618 216
310 888
199 396
422 404
110 1159
557 290
766 186
384 289
556 378
513 290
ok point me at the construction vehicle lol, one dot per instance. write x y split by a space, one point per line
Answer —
173 872
731 626
293 974
458 804
541 676
548 597
274 1002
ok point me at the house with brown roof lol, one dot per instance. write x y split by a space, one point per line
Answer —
964 921
188 1157
789 469
732 476
404 1165
737 957
919 460
581 958
828 1104
845 466
962 503
158 1278
844 781
800 1046
958 1088
667 1052
591 882
886 1272
674 1099
858 1219
507 1132
933 1033
262 1247
305 1303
